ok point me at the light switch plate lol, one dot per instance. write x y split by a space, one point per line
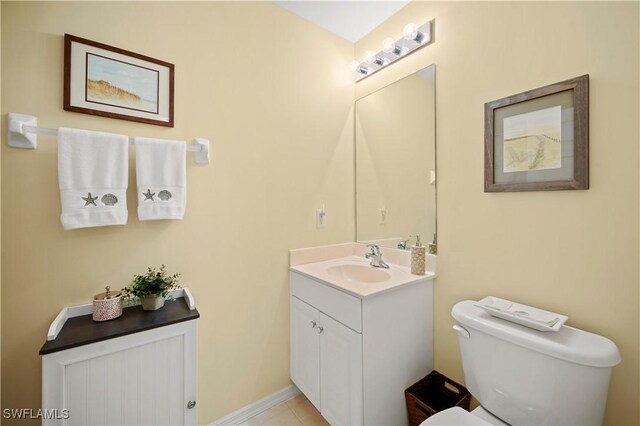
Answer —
321 218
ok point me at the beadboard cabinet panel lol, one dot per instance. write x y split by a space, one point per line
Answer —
146 378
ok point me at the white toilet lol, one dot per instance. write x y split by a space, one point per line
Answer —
522 376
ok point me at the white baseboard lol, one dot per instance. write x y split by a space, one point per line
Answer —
245 413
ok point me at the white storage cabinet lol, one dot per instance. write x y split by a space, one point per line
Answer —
139 369
354 357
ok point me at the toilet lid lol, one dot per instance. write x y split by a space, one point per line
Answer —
455 416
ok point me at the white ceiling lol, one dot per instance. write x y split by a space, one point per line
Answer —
351 19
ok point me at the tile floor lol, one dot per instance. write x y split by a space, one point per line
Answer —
296 411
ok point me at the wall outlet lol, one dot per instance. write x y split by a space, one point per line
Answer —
321 218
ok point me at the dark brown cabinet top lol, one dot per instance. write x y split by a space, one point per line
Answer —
82 330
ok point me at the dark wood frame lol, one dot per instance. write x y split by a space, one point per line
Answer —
68 39
580 88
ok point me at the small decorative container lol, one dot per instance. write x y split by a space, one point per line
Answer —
107 305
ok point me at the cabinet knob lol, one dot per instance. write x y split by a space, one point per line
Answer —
313 324
320 329
191 404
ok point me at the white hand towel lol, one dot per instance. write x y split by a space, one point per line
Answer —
93 176
161 173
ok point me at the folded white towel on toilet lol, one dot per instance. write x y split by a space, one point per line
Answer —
93 175
161 174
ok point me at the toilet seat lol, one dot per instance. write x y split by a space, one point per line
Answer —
459 416
455 416
486 416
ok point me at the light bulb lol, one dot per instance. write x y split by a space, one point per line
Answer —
370 57
356 67
410 31
389 45
373 59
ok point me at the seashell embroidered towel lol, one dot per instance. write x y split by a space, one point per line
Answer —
161 174
93 172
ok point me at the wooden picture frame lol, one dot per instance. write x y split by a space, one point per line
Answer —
110 82
538 140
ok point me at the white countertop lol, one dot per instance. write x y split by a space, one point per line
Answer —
398 276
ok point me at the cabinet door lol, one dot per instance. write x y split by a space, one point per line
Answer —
340 373
145 378
305 350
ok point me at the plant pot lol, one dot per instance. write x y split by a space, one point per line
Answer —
152 303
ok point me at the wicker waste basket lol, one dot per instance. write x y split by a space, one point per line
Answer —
432 394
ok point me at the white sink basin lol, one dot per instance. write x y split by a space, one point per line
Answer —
355 275
358 273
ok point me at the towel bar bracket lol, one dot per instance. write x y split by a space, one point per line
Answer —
23 133
17 134
201 154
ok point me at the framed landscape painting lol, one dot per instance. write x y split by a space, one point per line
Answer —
539 140
111 82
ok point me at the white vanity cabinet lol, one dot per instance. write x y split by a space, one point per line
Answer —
352 356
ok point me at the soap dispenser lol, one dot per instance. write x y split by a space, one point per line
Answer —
418 255
433 246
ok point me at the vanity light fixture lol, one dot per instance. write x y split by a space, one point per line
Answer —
414 37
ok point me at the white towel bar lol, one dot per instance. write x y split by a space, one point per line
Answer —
24 128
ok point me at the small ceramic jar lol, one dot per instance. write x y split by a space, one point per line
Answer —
107 305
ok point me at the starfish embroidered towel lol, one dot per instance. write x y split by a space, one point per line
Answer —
161 174
93 176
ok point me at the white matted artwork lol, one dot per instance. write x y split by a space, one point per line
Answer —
111 82
538 140
532 141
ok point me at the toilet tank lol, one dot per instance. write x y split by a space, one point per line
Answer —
529 377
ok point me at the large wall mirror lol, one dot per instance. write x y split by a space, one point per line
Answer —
396 162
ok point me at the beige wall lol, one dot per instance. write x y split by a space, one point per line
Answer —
574 252
274 95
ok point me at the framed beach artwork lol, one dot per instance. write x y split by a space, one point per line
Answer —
539 140
111 82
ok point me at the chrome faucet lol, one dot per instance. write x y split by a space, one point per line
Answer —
376 257
403 244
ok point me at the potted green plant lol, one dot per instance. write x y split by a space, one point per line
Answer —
151 288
